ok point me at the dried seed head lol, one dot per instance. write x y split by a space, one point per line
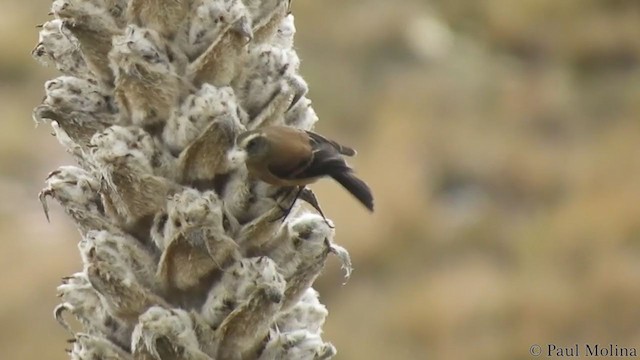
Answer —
197 112
165 334
68 93
221 62
193 240
270 87
239 282
266 17
299 344
61 49
211 19
308 314
93 27
86 347
184 254
163 16
87 306
204 163
303 242
77 191
147 86
123 145
286 32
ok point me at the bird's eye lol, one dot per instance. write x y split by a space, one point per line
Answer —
252 145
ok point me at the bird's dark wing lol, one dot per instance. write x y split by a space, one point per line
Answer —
290 171
356 187
324 161
318 140
328 162
290 151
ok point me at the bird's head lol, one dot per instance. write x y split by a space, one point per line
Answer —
252 146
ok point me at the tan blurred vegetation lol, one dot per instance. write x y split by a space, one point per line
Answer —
501 139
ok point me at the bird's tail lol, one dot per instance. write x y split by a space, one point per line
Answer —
356 187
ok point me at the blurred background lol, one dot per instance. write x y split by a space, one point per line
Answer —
501 139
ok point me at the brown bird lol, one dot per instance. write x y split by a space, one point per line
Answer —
285 156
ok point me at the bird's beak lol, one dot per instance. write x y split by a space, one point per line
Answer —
236 157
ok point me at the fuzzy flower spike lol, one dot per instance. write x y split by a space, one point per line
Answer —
183 255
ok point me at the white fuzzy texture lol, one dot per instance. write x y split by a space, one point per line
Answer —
173 325
70 93
139 46
96 347
271 85
183 253
238 283
306 239
74 187
197 111
60 49
262 10
298 345
81 11
132 145
269 68
210 20
285 34
302 115
308 314
187 210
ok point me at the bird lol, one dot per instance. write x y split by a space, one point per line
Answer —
290 157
